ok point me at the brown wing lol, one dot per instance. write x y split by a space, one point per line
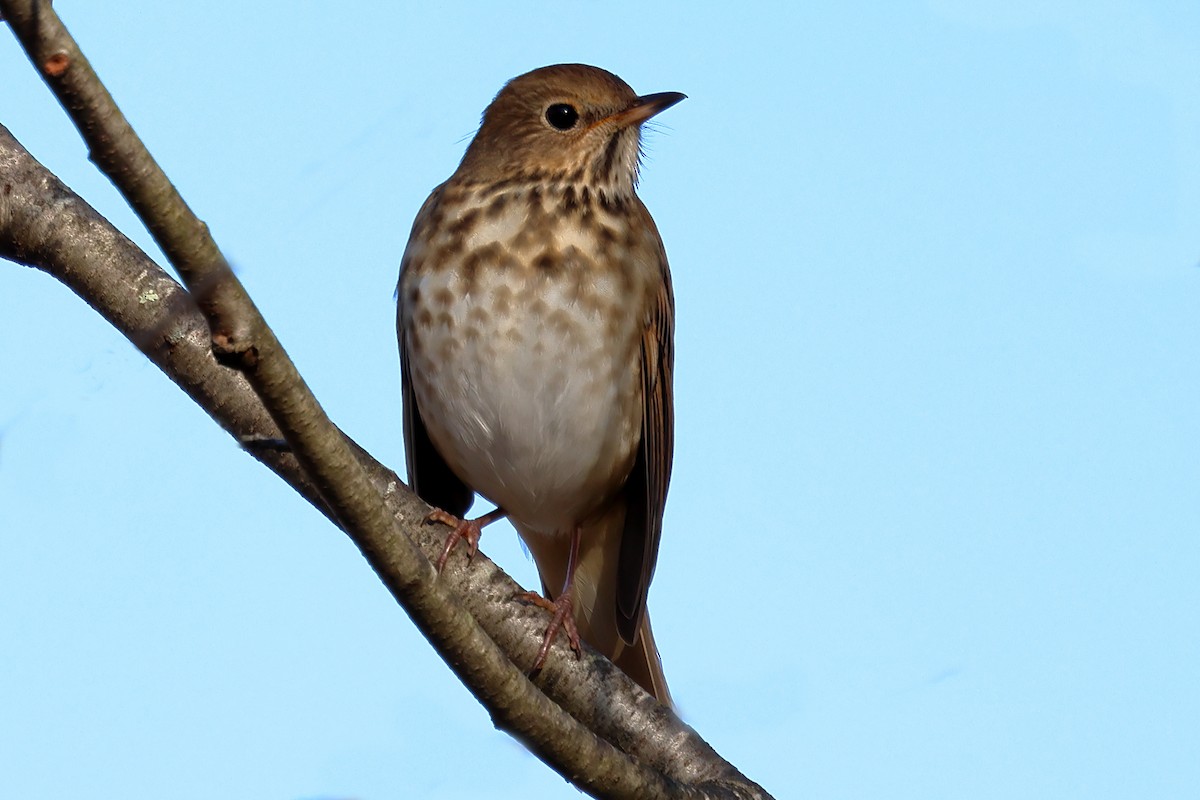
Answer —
428 473
646 488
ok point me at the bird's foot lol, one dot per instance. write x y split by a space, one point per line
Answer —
468 530
562 618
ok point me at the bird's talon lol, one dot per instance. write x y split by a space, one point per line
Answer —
562 618
466 529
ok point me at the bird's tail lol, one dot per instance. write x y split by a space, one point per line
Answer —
641 662
595 596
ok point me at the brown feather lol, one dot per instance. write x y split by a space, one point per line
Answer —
646 488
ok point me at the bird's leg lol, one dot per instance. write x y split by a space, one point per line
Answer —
562 608
468 529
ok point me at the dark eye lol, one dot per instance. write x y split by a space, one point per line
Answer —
562 116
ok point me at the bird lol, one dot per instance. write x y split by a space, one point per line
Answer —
535 318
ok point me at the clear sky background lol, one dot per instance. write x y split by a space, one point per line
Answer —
934 527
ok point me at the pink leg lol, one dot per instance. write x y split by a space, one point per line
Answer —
468 529
562 609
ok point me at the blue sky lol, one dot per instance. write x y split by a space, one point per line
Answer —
934 527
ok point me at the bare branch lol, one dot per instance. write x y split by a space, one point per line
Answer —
44 225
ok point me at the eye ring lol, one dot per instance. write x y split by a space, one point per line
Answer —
562 116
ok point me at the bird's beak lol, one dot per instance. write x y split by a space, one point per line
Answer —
645 107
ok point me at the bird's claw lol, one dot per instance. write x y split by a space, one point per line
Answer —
562 618
468 530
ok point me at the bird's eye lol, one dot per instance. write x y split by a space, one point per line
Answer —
562 116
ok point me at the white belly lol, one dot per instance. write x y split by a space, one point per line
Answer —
523 390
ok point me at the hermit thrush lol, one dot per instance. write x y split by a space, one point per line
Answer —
535 322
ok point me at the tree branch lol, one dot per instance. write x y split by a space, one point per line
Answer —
43 224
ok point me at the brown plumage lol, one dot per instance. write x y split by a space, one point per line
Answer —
535 322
